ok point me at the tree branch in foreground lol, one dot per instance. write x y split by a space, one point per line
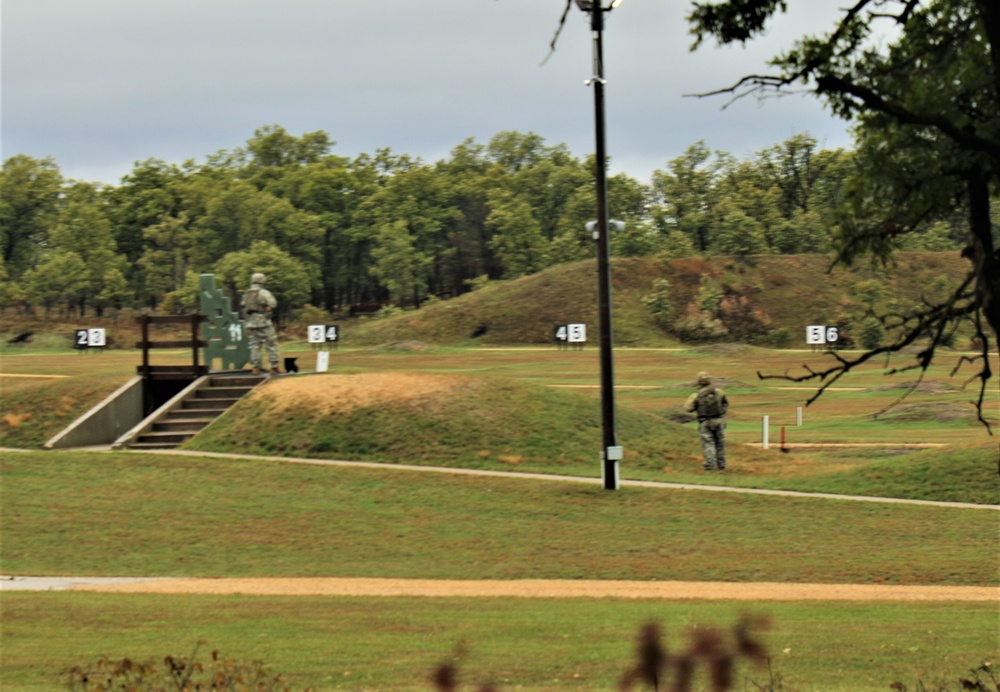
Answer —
936 323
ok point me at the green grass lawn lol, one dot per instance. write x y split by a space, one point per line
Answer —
143 515
394 643
102 514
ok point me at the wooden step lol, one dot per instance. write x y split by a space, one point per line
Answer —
169 439
197 411
234 393
205 404
248 381
192 425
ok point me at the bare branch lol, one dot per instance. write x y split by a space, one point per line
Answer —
562 23
936 319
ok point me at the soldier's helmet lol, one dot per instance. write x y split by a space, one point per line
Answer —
258 278
704 379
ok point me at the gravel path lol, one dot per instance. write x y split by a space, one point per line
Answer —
521 588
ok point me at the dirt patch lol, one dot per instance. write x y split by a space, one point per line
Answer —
944 412
405 346
922 387
329 393
539 588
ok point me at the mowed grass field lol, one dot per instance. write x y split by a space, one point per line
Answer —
107 514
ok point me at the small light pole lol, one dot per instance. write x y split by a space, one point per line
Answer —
611 453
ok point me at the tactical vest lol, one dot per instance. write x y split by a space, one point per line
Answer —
709 403
251 301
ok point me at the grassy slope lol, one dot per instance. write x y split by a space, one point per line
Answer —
794 291
121 514
32 411
130 514
501 424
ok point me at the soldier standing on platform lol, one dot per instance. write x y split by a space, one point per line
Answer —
258 304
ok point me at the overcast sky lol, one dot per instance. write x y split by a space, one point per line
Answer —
101 84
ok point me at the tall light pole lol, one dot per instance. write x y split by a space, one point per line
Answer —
611 453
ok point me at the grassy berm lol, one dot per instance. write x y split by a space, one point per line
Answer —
443 419
507 425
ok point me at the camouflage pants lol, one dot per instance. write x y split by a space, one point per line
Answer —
713 442
263 338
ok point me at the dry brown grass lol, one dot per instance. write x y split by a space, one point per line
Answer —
342 393
15 420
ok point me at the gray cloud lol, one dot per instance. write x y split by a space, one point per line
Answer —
100 84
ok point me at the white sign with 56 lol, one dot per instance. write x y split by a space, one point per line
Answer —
821 334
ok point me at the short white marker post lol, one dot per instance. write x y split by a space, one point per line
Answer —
766 421
798 416
322 361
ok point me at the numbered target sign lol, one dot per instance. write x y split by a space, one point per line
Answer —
571 333
821 334
323 333
91 338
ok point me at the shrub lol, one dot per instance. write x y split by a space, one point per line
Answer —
310 314
780 337
387 312
658 303
173 673
872 333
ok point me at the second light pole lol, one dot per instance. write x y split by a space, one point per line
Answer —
611 452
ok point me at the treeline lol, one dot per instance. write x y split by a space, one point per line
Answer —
384 228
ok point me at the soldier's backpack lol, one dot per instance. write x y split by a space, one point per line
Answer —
251 302
709 403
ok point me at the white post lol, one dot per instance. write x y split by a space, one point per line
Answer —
766 420
798 416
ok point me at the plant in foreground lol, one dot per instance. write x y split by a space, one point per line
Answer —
982 678
655 667
174 673
708 648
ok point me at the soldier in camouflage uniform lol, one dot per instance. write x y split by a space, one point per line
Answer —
709 403
258 304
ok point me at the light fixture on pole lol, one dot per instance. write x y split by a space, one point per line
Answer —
611 452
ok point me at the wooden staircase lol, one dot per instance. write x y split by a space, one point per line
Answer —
195 411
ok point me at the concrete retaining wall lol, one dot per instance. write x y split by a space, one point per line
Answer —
106 422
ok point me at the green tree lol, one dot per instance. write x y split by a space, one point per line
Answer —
273 147
286 277
165 260
331 191
398 265
925 96
419 198
84 228
683 197
29 193
61 279
517 237
469 176
739 234
151 191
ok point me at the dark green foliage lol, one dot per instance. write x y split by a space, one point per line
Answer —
337 233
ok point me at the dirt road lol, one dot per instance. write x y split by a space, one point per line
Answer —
522 588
